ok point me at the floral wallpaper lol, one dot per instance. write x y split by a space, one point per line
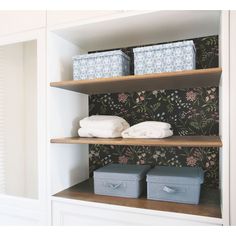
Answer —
191 111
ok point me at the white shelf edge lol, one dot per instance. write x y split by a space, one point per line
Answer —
174 215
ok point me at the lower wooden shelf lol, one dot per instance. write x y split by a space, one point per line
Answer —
209 205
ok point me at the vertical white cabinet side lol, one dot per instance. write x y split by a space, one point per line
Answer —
224 115
232 117
42 141
69 163
18 21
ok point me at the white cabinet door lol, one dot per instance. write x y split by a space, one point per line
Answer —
18 21
232 117
87 213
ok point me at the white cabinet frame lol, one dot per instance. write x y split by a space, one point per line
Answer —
35 211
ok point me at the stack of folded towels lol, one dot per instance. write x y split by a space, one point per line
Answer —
148 129
102 126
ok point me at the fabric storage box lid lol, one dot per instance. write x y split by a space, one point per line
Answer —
165 46
122 172
101 54
178 175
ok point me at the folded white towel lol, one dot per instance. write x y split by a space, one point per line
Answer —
98 133
114 123
152 125
148 129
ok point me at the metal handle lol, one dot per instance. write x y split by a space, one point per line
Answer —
168 189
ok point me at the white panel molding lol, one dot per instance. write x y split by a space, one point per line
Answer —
90 213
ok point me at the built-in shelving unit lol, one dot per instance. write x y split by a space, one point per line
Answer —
70 162
147 82
183 141
209 202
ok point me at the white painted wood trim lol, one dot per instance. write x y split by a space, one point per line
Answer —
12 22
232 117
96 19
171 215
40 205
224 115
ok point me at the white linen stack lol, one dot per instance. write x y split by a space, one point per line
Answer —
148 129
102 126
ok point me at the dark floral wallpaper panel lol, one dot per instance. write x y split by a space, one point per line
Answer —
191 111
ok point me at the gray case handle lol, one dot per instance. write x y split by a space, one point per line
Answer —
168 189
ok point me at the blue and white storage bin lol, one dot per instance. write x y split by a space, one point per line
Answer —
121 180
164 58
175 184
101 65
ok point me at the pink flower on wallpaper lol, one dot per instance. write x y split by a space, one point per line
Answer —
142 98
191 161
122 97
142 162
123 159
191 96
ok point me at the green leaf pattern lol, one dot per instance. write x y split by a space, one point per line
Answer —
192 111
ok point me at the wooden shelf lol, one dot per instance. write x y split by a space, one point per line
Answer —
209 202
183 141
147 82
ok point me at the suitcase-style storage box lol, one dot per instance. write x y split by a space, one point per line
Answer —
121 180
164 58
175 184
101 65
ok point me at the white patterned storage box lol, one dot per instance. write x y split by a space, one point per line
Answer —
164 58
101 65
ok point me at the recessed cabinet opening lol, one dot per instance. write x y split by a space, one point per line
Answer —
92 97
18 120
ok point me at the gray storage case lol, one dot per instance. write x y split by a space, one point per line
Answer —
175 184
121 180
